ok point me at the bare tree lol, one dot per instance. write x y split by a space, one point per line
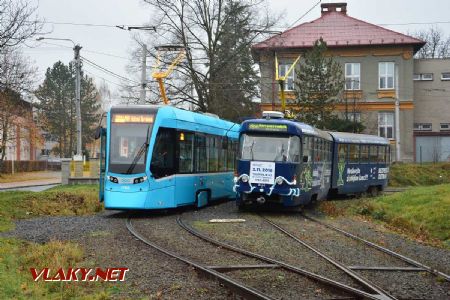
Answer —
200 26
16 120
18 22
437 44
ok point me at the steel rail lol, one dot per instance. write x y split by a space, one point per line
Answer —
383 249
285 266
231 284
361 280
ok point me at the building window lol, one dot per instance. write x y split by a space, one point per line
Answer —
352 76
426 76
354 116
445 126
386 75
289 82
445 76
423 77
386 125
422 126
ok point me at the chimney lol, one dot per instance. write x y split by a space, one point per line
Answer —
330 7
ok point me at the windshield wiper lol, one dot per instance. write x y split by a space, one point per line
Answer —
251 148
141 151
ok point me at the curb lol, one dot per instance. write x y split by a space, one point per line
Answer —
28 186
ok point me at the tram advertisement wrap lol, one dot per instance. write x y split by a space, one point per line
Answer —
262 172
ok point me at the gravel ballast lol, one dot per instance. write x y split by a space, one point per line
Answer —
108 243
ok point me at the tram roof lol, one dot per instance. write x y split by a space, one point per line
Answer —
293 127
356 138
178 114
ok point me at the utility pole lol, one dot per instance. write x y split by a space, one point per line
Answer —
76 50
397 117
143 74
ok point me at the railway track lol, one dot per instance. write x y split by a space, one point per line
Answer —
233 285
415 265
371 291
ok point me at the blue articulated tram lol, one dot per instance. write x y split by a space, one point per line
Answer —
290 163
360 163
155 157
282 162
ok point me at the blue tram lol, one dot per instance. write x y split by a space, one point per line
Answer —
361 163
282 161
291 163
155 157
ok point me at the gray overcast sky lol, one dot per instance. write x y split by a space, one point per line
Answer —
119 43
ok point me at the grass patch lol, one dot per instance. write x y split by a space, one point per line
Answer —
59 201
417 175
420 212
17 257
26 176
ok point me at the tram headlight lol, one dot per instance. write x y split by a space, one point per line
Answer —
113 179
140 179
279 180
244 178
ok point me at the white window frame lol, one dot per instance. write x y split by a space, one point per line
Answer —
416 77
423 127
445 124
285 67
424 77
386 125
355 77
445 78
386 75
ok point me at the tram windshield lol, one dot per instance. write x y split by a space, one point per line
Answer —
129 143
270 148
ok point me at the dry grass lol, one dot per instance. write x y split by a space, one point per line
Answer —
422 213
27 176
17 257
59 201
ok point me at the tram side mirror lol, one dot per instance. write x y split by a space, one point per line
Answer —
98 132
305 158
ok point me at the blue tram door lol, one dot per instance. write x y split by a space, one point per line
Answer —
101 191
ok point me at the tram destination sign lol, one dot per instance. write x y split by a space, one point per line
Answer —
268 127
132 118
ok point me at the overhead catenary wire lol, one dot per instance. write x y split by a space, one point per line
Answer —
84 59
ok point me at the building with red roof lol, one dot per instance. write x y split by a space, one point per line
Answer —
370 56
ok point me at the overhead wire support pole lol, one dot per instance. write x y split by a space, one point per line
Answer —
143 74
397 117
281 81
76 50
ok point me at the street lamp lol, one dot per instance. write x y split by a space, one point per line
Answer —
76 51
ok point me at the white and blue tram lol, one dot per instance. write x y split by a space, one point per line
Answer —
291 163
155 157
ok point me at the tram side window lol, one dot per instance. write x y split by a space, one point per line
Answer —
317 153
373 153
186 152
223 144
342 152
353 153
329 151
388 155
381 154
364 153
163 158
230 154
201 153
213 162
307 149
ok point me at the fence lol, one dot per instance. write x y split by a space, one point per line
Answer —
29 166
